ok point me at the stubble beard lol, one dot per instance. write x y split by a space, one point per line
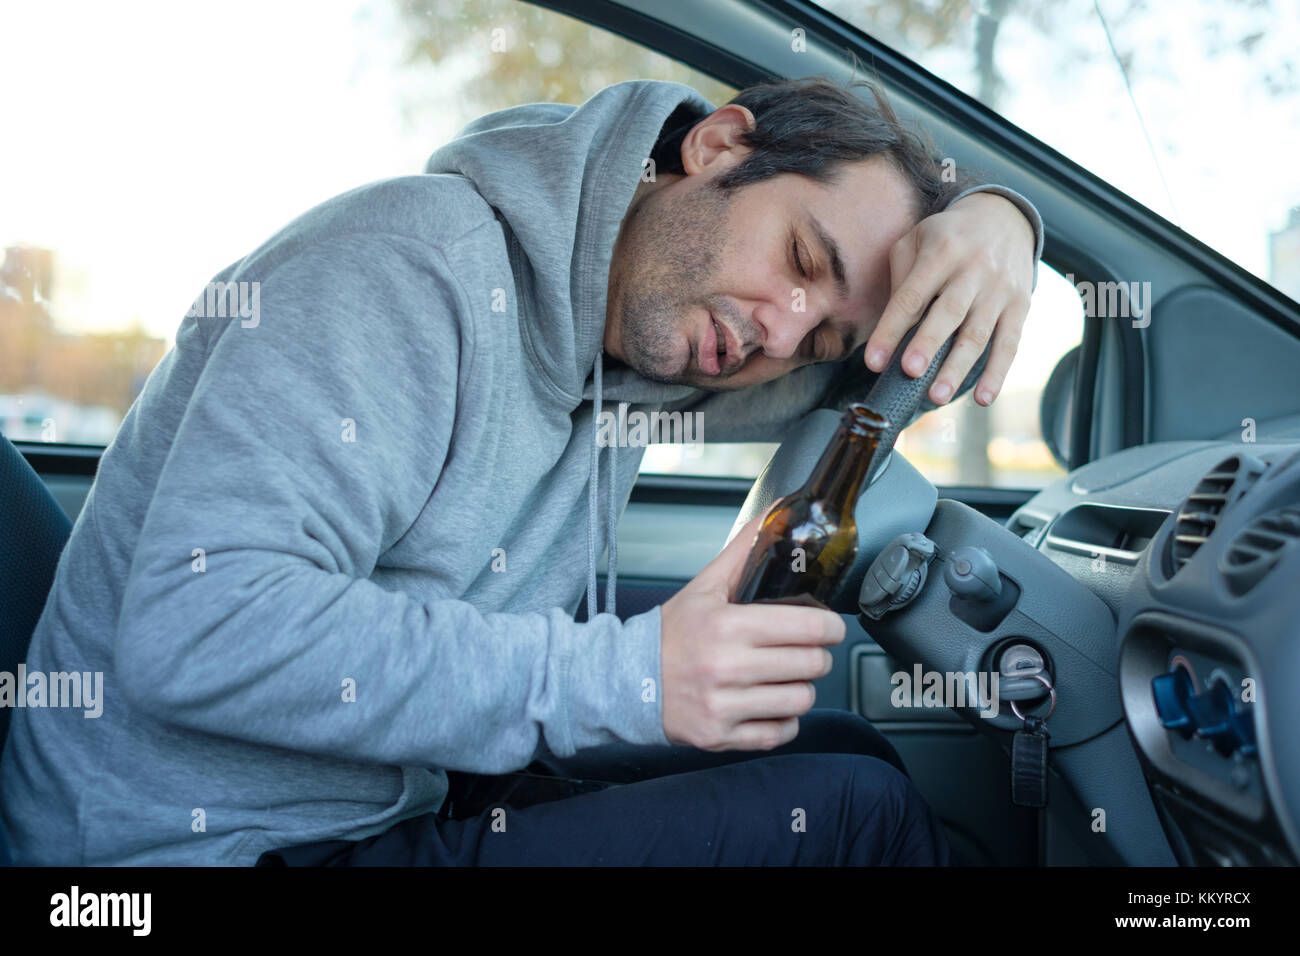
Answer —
672 247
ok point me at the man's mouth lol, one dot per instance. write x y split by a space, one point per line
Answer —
714 356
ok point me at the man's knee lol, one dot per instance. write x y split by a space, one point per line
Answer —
890 822
841 731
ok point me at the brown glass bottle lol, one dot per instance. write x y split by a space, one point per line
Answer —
810 537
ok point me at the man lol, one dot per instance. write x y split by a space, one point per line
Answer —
336 549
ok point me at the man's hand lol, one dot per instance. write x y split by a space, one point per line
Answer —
977 256
737 676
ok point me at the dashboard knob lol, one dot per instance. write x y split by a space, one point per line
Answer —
1243 730
1173 693
1213 713
972 573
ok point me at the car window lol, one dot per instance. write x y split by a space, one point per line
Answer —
1194 114
960 443
122 197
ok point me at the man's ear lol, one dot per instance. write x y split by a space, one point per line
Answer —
714 143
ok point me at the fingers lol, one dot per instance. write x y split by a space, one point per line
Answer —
965 265
944 318
1006 341
763 734
773 665
916 278
972 338
764 702
771 625
722 574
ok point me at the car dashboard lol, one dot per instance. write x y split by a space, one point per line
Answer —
1195 548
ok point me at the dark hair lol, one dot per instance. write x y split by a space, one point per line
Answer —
812 126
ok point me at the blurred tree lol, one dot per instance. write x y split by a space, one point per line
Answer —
103 369
501 53
1227 28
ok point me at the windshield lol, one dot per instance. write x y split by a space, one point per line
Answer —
1192 108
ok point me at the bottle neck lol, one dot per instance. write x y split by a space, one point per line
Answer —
842 468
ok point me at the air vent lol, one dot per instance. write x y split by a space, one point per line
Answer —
1029 526
1258 547
1113 531
1201 512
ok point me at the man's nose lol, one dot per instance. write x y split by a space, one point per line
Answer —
784 329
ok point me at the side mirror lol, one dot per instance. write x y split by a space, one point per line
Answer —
1056 408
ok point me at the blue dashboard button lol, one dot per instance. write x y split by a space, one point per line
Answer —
1173 693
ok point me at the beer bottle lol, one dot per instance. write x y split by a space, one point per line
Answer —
810 537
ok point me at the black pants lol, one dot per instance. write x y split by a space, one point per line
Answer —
836 795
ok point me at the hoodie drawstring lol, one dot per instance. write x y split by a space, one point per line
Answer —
611 531
593 509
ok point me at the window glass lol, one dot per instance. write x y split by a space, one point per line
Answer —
158 142
1192 108
964 443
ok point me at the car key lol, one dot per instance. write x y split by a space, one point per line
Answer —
1029 755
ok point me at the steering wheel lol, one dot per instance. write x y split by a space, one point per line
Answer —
1051 611
897 498
1054 613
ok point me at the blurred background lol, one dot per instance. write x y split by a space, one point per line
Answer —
147 145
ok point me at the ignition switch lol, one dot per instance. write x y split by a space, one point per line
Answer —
1022 673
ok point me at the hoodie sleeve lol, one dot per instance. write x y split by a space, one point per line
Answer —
761 413
311 442
764 412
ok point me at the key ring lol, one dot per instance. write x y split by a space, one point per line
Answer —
1050 690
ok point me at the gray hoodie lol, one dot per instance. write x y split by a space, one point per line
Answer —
338 545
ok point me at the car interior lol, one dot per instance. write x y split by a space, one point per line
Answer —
1150 589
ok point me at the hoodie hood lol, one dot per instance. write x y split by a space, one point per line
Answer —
561 179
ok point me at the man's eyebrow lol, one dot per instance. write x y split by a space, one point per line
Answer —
831 248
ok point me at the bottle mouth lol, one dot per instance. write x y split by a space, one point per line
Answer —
861 420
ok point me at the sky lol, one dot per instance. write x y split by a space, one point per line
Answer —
1226 149
151 144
